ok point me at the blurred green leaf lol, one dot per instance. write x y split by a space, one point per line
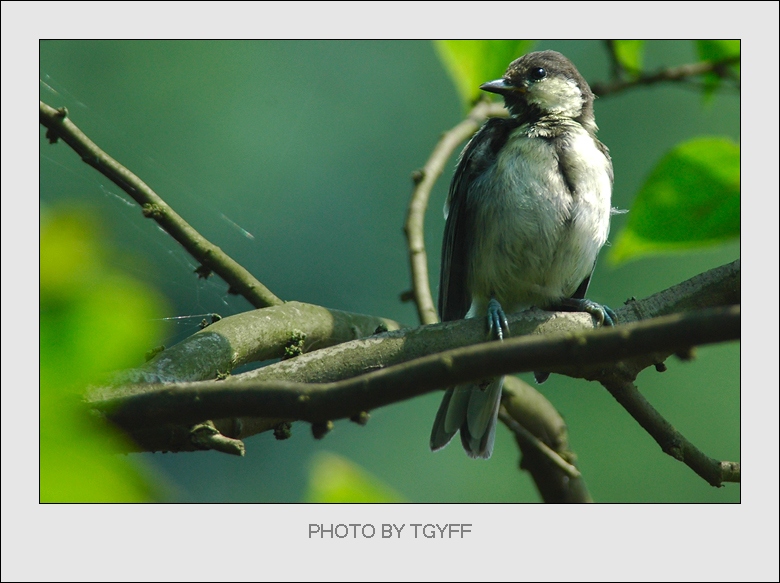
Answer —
336 479
470 63
93 321
717 50
629 54
691 199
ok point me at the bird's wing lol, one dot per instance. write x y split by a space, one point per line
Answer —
477 156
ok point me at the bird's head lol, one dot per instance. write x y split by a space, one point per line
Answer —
542 84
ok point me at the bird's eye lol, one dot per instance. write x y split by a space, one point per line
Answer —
538 73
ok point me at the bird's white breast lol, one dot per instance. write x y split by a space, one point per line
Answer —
537 235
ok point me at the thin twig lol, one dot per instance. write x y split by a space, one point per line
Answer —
206 436
680 73
424 180
211 257
530 440
671 441
616 66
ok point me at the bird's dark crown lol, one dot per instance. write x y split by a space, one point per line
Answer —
545 83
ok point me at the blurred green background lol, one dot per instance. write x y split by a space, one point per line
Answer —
295 158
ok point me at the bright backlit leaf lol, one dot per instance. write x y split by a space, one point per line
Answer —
336 479
629 54
471 63
93 320
691 199
717 50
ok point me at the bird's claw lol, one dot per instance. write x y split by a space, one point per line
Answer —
498 325
605 316
612 318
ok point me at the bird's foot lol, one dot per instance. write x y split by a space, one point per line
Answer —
498 326
604 315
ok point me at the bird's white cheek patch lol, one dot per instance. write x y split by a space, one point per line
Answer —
557 96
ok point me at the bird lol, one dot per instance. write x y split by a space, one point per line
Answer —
527 213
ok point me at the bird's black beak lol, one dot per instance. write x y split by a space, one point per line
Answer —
499 86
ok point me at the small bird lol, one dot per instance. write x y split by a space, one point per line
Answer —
527 212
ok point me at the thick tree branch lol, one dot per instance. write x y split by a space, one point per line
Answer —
211 257
590 354
604 354
282 331
716 287
534 421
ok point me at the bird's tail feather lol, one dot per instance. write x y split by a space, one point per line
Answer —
472 410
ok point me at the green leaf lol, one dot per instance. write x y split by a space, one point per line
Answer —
470 63
336 479
629 54
717 50
691 199
93 320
